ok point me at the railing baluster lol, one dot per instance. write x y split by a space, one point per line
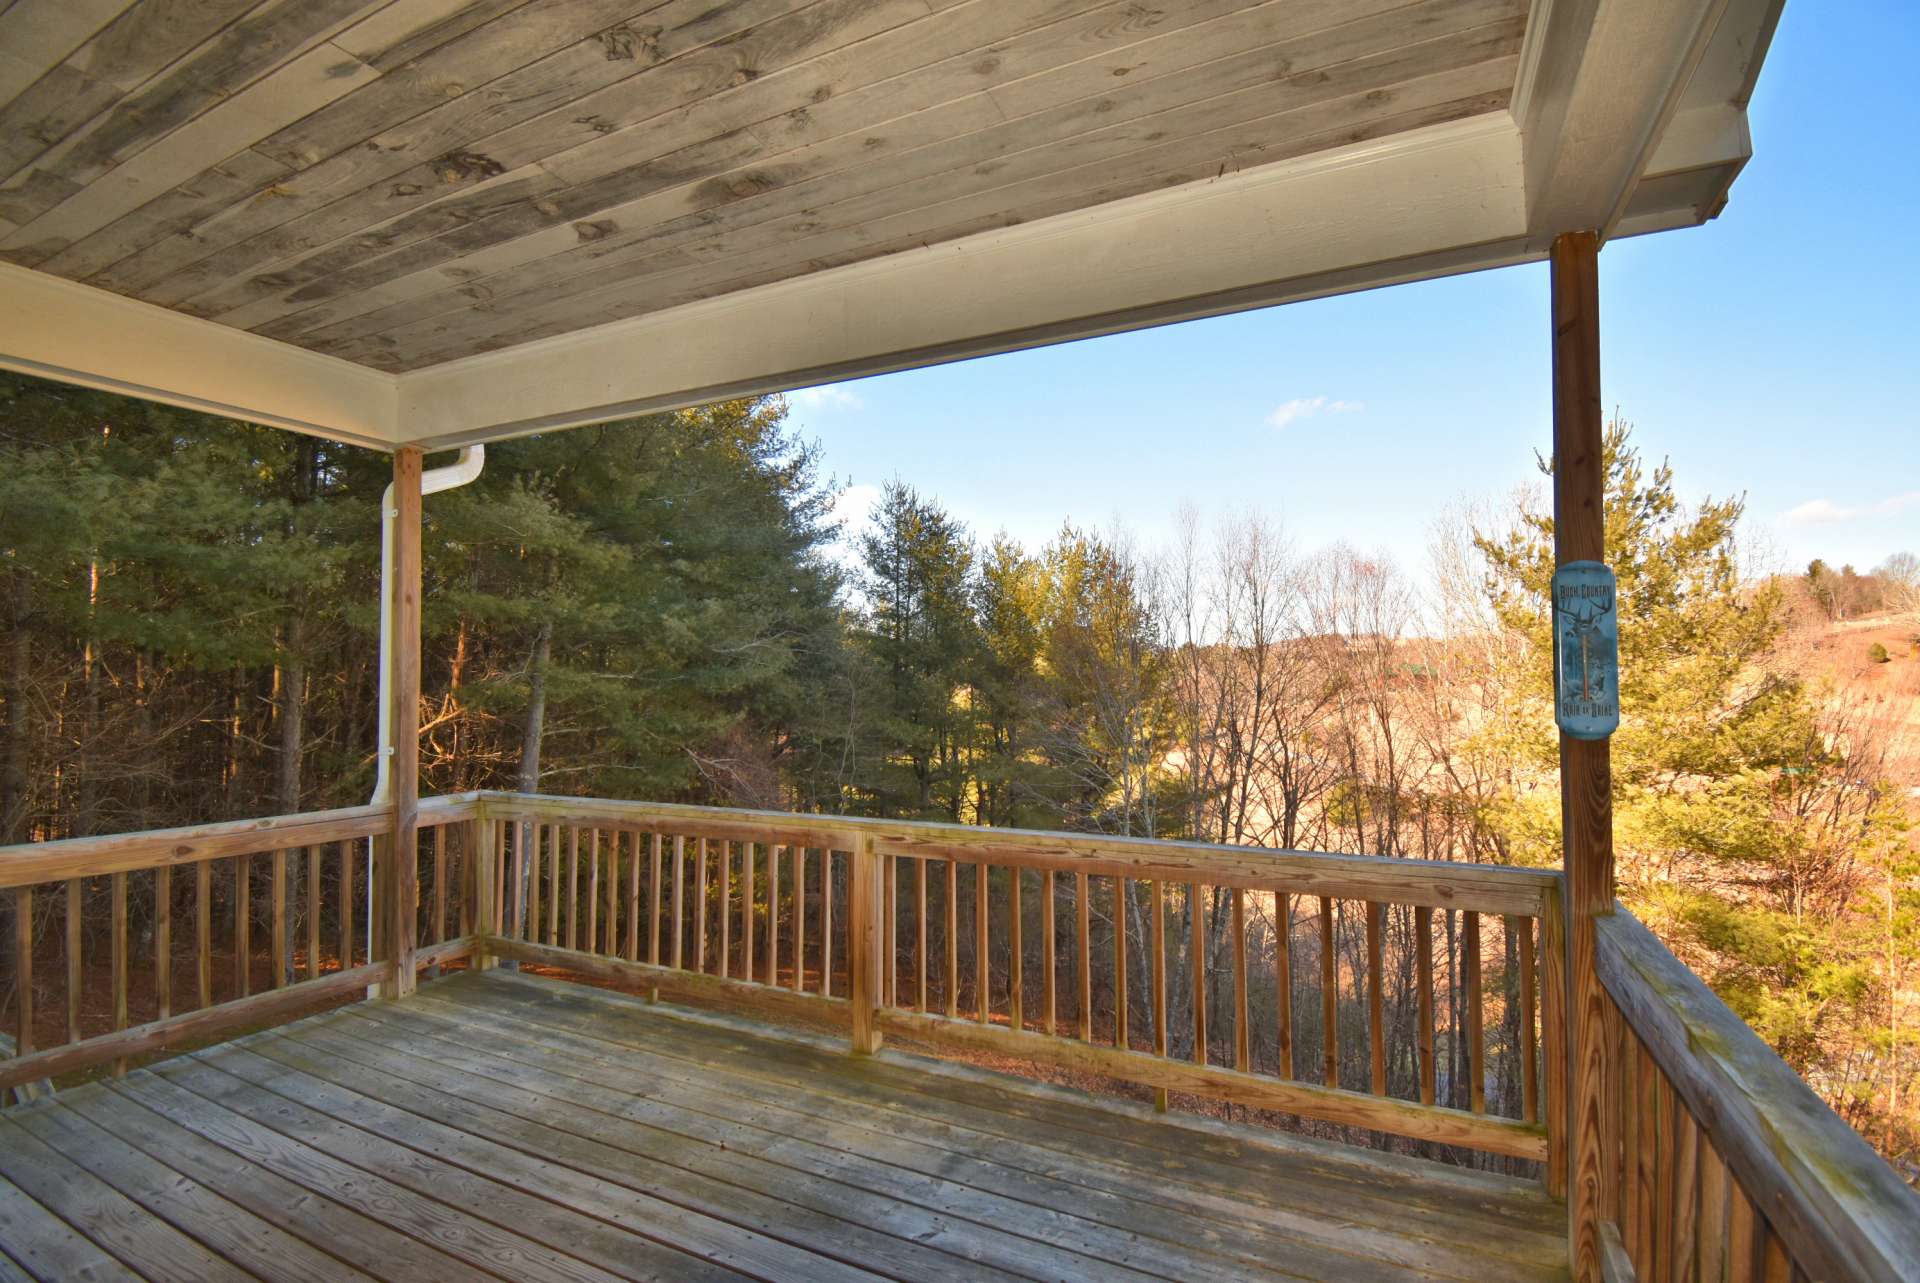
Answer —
563 885
746 910
889 929
773 918
633 895
23 967
1157 931
278 927
611 946
1242 1048
726 904
1521 929
981 970
826 921
75 890
203 918
1476 1031
571 886
1283 978
469 883
526 845
653 897
1120 962
1050 1012
1553 1019
953 939
1746 1238
593 892
863 943
1423 977
119 884
1376 997
1083 923
799 919
1642 1157
1663 1193
506 834
1686 1193
540 928
1329 996
1197 949
679 907
163 941
314 857
439 884
1016 968
920 934
1713 1213
242 925
699 904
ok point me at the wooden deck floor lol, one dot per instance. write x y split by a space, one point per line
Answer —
501 1126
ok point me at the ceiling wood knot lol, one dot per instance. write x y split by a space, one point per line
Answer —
630 44
466 166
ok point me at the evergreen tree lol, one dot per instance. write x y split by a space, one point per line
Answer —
1737 817
923 637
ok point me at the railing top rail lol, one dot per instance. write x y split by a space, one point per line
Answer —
31 863
1840 1210
1438 884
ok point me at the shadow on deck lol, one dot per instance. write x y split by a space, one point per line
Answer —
499 1125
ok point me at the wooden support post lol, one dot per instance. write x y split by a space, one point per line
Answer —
865 910
396 877
483 849
1586 807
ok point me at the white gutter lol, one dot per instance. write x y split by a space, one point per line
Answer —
458 473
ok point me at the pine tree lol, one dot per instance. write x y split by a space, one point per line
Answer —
1738 816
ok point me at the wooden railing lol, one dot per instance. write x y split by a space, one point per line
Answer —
689 901
988 939
1232 973
1717 1161
156 939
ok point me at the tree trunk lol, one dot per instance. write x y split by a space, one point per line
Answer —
536 710
293 717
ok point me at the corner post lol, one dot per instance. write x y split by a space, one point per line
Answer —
485 846
863 944
397 874
1586 783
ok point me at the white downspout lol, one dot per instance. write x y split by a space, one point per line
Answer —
458 473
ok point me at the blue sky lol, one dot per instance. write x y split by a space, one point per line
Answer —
1773 352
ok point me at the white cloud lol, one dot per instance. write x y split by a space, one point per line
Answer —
1820 512
1306 407
854 505
830 396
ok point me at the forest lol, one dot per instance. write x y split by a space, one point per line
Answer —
666 608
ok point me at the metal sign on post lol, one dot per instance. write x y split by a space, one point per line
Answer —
1586 650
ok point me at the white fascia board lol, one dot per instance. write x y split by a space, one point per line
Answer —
58 329
1436 201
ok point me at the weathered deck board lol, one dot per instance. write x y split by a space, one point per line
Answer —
498 1124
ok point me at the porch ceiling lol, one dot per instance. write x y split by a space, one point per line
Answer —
423 221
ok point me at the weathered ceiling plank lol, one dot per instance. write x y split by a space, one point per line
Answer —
115 61
1093 168
620 206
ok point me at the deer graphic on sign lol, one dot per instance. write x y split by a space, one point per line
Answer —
1586 633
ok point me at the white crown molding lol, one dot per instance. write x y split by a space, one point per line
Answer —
58 329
